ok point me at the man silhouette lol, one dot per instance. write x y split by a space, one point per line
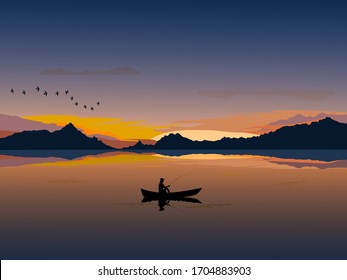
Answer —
161 204
162 188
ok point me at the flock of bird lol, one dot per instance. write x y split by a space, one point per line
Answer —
57 93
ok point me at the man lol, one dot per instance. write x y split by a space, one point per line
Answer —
162 188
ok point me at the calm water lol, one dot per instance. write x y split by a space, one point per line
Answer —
268 206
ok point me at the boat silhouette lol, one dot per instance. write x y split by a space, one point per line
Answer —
164 199
170 195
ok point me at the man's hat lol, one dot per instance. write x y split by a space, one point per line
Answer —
162 179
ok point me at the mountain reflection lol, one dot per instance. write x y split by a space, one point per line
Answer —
63 154
279 159
323 155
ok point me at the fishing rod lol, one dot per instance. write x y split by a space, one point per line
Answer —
177 209
179 177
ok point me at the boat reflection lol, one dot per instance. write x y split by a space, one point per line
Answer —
166 202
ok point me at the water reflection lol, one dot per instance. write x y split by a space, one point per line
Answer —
253 207
166 202
62 154
324 159
313 164
321 159
323 155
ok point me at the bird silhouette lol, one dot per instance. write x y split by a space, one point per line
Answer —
57 93
92 108
23 92
37 89
98 103
76 103
12 91
71 98
45 93
85 106
66 92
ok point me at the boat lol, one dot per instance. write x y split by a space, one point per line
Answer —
172 195
183 199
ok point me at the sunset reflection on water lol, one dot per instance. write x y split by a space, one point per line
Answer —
251 207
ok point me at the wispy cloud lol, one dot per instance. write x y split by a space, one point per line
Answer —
256 123
310 95
125 70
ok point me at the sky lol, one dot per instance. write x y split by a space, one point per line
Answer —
158 64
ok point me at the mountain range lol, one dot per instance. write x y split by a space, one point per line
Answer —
12 124
299 119
67 138
324 134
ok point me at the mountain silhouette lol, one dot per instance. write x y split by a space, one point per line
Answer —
140 146
176 140
297 119
324 134
68 138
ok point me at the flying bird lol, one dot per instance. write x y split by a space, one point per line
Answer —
71 98
37 89
98 103
12 91
66 92
23 92
45 93
85 106
76 103
57 93
92 108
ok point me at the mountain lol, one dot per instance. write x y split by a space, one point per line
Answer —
297 119
176 140
324 134
68 138
140 146
17 124
116 143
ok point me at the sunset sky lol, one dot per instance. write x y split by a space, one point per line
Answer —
159 66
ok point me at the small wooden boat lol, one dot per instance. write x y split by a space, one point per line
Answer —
183 199
171 195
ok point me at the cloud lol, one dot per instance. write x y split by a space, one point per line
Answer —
125 70
256 122
310 95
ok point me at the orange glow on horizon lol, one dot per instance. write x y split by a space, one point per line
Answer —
114 127
211 135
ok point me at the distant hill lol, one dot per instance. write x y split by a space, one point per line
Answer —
68 138
18 124
299 119
116 143
324 134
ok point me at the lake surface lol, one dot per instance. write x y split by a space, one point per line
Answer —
253 206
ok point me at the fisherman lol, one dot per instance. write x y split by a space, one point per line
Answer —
162 188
